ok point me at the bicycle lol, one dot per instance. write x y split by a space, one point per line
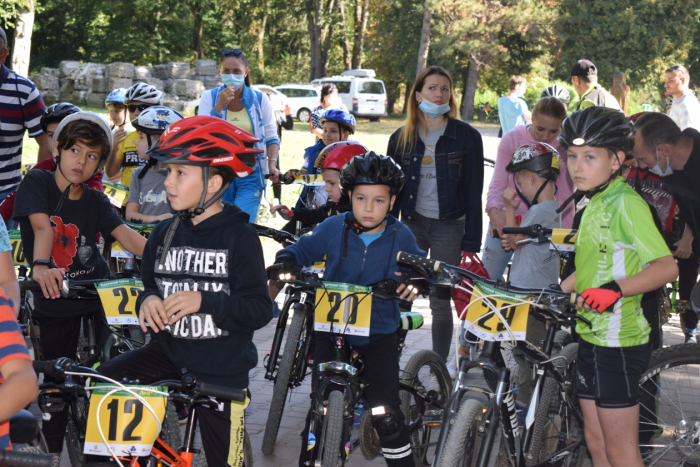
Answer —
417 403
554 424
162 448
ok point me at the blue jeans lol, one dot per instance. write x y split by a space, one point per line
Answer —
246 193
494 257
442 240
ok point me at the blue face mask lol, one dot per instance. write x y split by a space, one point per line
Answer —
657 169
235 81
433 110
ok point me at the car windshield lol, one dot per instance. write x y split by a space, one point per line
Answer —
372 87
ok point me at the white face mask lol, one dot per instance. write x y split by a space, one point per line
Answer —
657 169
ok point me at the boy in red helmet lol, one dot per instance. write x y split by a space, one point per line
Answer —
205 288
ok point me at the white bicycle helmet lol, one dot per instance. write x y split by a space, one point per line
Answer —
154 120
557 91
142 92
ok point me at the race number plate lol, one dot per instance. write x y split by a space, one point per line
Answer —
118 299
26 168
310 180
343 308
563 240
128 426
117 194
17 249
118 251
489 327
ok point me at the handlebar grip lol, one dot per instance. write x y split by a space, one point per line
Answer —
25 459
415 260
517 230
222 392
48 368
29 285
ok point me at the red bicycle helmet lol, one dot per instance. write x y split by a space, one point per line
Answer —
207 142
336 155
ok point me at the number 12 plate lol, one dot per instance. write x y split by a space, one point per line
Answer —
118 299
343 308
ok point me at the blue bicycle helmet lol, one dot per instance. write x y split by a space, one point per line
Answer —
116 97
341 117
56 113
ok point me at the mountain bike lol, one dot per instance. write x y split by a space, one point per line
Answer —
134 436
554 424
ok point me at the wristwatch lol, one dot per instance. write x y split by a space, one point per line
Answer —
41 262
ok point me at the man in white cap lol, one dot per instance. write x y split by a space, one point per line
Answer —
21 108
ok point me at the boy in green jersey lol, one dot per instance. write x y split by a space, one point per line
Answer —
620 255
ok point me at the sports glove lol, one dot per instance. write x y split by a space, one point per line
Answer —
602 298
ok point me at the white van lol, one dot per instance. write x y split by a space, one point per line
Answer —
361 92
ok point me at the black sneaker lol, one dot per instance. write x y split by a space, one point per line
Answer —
183 413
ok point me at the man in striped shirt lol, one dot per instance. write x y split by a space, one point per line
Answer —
21 107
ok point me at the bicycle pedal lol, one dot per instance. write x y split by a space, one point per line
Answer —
432 417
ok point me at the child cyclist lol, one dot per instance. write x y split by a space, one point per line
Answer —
620 255
148 199
361 247
117 109
60 218
204 279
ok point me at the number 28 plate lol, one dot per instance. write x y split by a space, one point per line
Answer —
488 326
128 426
343 309
118 299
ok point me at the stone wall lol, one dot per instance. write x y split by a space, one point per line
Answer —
90 83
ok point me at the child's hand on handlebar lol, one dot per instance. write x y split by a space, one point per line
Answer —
286 213
50 279
505 243
408 293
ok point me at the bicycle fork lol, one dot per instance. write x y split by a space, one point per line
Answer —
505 407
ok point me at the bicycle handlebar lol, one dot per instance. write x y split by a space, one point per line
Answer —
534 230
25 459
280 236
222 392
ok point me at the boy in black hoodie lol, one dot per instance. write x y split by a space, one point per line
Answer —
204 279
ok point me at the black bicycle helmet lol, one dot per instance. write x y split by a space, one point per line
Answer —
599 127
341 117
372 169
56 113
557 91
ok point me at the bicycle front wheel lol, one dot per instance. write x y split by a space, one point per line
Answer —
669 409
333 454
463 439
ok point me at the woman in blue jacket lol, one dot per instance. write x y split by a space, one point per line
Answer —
443 160
239 104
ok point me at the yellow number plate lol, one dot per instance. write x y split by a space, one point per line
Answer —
118 299
118 251
490 327
563 239
344 308
310 180
128 426
117 194
26 168
17 248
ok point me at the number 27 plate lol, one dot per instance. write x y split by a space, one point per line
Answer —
118 299
488 326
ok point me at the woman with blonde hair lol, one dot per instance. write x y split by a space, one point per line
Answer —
443 161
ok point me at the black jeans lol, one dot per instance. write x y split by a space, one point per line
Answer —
381 374
221 430
687 277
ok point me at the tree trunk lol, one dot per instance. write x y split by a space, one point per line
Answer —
361 16
314 47
406 97
197 10
328 39
470 90
23 40
261 38
344 42
424 46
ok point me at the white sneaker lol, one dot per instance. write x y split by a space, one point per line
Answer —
453 367
56 461
434 384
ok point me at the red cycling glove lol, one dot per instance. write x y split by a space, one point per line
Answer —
602 298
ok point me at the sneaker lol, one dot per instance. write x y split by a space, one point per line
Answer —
182 413
434 384
56 461
690 336
453 367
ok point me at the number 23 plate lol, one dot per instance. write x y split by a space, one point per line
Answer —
127 425
489 327
118 299
347 308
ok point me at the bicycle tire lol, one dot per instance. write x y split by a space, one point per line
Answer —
332 444
281 387
669 408
554 424
415 374
75 432
200 459
463 438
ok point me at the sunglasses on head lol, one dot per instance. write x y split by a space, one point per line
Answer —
139 107
232 52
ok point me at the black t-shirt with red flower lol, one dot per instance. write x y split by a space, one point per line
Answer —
75 227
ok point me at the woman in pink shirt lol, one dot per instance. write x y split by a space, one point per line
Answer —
547 117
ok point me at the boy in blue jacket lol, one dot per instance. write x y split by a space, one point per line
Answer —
361 248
